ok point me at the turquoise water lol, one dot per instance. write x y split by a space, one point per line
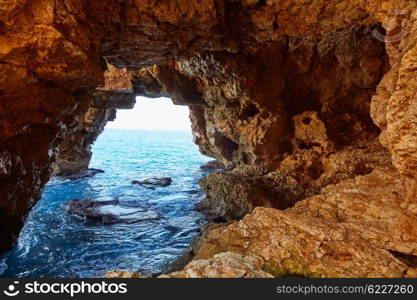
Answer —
56 244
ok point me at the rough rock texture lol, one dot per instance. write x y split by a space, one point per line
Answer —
124 274
86 173
296 245
361 227
294 95
376 203
212 165
223 265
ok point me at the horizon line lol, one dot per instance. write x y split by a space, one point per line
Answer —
150 129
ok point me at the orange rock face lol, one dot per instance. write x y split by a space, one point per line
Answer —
298 97
358 228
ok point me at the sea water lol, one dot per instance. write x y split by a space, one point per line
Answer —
55 244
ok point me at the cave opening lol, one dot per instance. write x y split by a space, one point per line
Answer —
114 212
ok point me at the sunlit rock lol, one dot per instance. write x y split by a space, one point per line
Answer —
109 212
154 181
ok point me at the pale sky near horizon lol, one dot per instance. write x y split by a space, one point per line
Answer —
154 114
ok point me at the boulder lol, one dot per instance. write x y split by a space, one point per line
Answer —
109 212
154 181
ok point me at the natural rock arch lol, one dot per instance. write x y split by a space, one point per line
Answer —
281 90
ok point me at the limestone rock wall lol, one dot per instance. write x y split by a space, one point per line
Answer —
294 95
74 152
358 228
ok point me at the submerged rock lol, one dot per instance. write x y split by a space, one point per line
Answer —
154 181
109 212
91 172
179 263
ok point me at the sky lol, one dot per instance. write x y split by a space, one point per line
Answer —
154 114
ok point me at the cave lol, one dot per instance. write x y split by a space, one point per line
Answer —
308 105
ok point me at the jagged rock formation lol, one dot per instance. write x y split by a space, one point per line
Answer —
74 152
296 245
295 96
